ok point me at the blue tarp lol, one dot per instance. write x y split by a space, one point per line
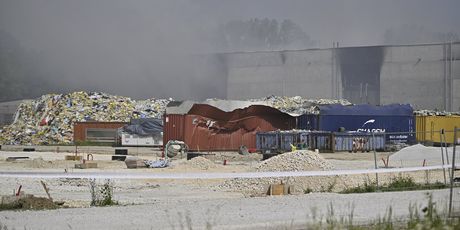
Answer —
145 126
368 110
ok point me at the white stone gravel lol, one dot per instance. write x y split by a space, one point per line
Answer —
282 212
415 155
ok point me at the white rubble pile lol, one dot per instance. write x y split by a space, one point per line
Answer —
415 155
302 160
201 163
50 118
436 113
298 105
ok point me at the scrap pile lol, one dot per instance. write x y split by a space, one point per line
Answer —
435 113
299 105
50 118
302 160
201 163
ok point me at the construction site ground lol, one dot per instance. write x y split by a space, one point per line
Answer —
197 203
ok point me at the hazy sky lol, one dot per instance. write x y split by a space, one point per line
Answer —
142 48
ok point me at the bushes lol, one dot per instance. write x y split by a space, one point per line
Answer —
397 183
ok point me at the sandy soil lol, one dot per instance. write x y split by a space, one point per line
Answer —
165 204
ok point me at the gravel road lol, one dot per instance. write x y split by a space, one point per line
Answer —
230 213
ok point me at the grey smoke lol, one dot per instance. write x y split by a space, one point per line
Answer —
144 48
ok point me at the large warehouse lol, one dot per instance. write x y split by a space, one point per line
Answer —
426 76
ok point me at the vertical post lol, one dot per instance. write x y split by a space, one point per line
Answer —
452 79
452 172
365 93
446 151
442 155
375 160
445 74
332 70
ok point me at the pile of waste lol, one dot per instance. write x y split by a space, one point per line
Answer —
201 163
298 105
302 160
435 113
50 118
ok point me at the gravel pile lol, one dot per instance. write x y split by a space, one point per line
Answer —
415 155
201 163
303 160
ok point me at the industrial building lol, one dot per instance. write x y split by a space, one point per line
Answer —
427 76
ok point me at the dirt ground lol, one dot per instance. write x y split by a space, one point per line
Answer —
75 192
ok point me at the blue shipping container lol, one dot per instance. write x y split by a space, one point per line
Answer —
359 142
307 122
395 121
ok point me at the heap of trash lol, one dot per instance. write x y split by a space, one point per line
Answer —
435 113
50 118
298 105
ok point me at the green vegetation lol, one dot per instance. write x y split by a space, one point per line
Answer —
397 183
430 219
10 206
102 195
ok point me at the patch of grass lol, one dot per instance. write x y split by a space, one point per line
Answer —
397 183
430 219
10 206
102 195
365 188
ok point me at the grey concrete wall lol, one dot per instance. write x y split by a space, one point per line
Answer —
415 75
419 75
286 73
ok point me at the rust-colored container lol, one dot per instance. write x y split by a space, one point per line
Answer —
81 129
207 128
173 127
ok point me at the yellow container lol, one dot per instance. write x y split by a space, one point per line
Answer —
428 128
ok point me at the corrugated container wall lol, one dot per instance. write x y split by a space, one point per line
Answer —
307 122
173 127
394 120
207 128
359 142
429 127
80 128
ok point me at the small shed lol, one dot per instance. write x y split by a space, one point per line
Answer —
96 131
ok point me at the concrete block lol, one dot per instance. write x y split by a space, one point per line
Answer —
86 165
73 158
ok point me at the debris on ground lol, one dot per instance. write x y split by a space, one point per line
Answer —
135 162
162 163
50 118
27 202
426 112
301 160
201 163
298 105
